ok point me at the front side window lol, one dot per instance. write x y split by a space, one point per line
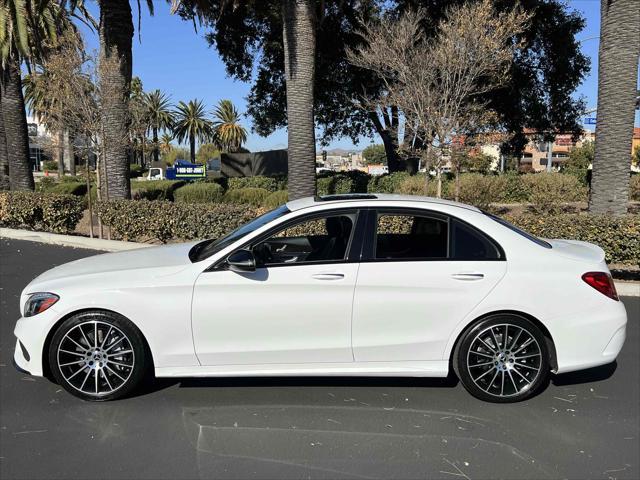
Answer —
313 240
400 236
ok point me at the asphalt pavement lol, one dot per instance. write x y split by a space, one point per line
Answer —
584 425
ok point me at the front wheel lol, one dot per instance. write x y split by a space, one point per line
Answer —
503 358
97 356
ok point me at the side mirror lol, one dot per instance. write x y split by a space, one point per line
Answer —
241 261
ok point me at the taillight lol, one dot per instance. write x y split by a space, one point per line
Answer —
602 282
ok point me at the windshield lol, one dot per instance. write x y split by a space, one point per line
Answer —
207 248
527 235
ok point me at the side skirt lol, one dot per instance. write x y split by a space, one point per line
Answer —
439 368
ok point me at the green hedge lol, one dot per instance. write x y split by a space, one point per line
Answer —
199 192
141 220
268 183
154 189
250 195
342 182
276 199
634 187
40 211
619 237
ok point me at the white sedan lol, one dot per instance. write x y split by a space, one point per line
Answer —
370 285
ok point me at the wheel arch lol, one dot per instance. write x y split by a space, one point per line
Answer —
46 368
553 358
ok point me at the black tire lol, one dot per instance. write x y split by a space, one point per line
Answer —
114 365
483 360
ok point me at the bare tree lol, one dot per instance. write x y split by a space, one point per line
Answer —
438 84
77 98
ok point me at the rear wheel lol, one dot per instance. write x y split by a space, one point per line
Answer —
503 358
97 356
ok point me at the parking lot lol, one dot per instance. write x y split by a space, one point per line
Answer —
584 425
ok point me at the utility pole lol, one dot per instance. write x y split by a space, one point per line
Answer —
549 155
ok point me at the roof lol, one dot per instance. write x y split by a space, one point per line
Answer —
371 198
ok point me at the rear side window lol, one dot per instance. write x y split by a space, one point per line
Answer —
467 243
408 236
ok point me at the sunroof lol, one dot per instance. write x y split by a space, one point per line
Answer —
345 196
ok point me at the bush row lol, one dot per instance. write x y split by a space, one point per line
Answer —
47 212
619 237
164 221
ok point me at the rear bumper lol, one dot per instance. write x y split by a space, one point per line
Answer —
589 338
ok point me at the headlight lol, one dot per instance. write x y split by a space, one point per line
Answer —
39 302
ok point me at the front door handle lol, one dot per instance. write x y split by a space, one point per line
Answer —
468 276
328 276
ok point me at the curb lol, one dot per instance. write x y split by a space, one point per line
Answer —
71 240
624 289
628 289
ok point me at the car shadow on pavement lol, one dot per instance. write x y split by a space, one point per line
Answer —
154 385
589 375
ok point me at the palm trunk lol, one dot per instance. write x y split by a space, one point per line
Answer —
69 156
60 153
299 37
4 160
192 148
15 127
156 148
116 33
617 85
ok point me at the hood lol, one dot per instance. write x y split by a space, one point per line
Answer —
577 250
153 257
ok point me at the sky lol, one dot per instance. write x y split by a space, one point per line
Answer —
174 58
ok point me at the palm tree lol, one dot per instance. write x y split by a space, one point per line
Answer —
116 34
617 89
27 28
299 37
159 116
192 124
165 143
229 135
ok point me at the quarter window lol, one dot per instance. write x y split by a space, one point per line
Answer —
320 239
469 244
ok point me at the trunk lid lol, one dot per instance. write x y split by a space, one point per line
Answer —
578 250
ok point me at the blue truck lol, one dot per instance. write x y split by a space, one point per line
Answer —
184 170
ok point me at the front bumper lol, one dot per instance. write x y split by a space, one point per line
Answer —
32 332
589 338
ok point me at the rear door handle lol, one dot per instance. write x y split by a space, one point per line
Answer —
328 276
468 276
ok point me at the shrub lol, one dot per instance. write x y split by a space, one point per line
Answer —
250 195
634 187
332 183
155 189
387 183
50 166
139 220
199 192
414 185
69 188
548 191
135 170
45 184
40 211
275 199
619 237
480 190
268 183
513 190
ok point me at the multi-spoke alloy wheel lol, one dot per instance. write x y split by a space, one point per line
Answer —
503 359
97 355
